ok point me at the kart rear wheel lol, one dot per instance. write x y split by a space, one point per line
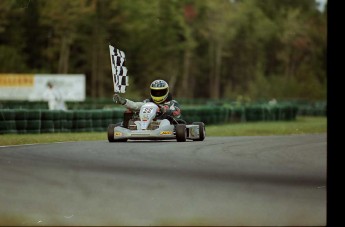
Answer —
202 132
181 133
111 133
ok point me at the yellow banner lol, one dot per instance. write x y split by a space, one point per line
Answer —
16 80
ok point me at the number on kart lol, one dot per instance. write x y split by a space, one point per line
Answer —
147 110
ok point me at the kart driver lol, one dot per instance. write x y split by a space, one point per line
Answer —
160 95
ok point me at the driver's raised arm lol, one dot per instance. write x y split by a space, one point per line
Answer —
127 103
133 105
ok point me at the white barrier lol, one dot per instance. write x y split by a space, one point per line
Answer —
31 87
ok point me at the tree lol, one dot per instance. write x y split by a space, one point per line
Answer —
63 17
12 41
204 49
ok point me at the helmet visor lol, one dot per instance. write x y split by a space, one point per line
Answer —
159 93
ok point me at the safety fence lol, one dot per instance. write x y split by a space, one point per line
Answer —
315 109
239 113
47 121
305 108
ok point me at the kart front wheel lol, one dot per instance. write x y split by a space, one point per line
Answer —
111 133
181 133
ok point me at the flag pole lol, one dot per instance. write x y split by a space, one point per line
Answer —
113 70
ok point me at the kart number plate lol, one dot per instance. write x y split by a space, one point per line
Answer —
147 110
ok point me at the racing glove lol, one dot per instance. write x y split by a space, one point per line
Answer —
118 99
163 109
160 110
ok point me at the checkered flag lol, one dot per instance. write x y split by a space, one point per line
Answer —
119 71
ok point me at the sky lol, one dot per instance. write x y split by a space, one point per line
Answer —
322 4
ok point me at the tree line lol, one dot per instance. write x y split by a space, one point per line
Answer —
202 48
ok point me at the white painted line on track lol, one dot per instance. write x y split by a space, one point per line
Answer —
31 144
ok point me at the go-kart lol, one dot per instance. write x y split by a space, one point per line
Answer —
148 126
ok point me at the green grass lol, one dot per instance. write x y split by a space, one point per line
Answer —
302 125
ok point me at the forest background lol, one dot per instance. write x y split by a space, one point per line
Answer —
213 49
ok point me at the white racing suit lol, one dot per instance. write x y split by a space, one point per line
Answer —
171 107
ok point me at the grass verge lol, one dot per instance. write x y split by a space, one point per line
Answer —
302 125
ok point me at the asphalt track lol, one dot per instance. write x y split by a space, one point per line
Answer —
261 181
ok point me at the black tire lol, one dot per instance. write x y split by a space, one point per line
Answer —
111 133
181 133
202 131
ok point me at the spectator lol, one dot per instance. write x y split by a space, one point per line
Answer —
272 102
54 98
